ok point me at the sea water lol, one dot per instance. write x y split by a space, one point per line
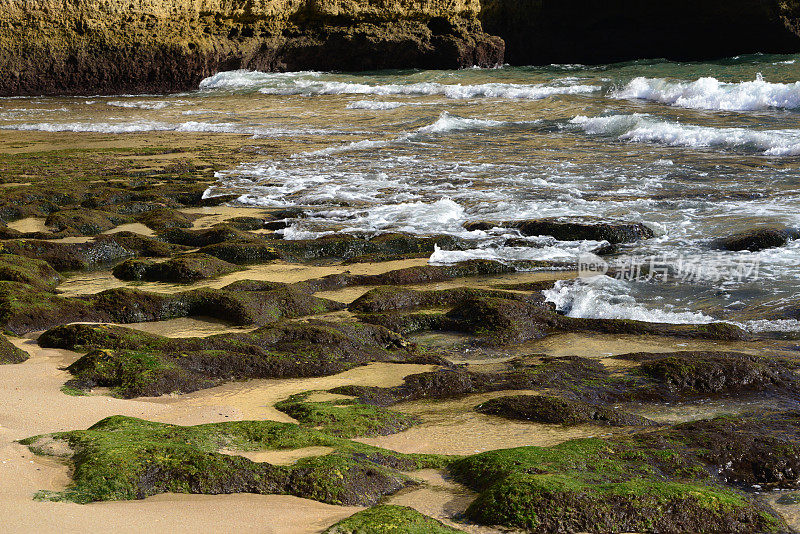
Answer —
693 150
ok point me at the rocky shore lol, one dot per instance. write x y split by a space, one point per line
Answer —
162 345
158 46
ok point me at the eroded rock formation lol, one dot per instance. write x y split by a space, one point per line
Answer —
119 46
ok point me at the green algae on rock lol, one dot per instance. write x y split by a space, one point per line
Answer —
345 418
25 309
555 410
30 271
182 269
615 485
124 458
135 363
9 353
390 519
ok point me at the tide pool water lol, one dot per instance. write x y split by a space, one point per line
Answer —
694 150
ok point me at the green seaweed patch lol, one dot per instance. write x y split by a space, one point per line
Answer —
390 519
600 485
124 458
346 418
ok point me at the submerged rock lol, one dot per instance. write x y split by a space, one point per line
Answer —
9 353
555 410
757 239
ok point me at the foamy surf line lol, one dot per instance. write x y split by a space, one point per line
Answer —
641 128
145 126
602 297
712 94
307 83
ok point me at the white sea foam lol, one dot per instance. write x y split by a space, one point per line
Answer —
601 297
245 79
373 104
454 91
557 252
642 128
710 93
451 123
155 126
159 104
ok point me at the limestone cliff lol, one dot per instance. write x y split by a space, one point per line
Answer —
604 31
117 46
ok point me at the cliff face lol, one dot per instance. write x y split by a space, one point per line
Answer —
604 31
118 46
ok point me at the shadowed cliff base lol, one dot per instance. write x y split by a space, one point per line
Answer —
541 32
137 46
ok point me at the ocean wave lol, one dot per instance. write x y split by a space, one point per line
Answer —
160 104
602 297
153 126
556 252
373 104
451 123
488 90
642 128
247 79
712 94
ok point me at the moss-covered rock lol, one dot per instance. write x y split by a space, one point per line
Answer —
71 256
502 318
123 458
390 519
203 237
162 219
422 274
135 363
85 221
9 353
346 247
183 269
29 271
699 373
556 410
345 418
243 252
579 376
24 309
615 485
